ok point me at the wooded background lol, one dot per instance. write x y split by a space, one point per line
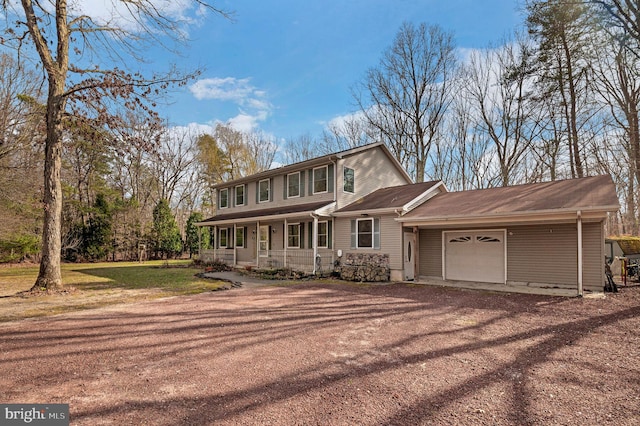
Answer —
558 99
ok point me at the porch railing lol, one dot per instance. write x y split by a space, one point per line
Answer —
298 260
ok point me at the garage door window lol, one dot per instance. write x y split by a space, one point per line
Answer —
485 239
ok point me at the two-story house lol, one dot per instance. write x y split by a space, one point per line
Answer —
360 206
283 217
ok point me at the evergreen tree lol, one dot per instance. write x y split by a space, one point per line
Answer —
166 235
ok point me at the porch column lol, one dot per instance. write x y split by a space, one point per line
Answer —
285 241
215 242
315 241
235 249
199 242
580 266
257 244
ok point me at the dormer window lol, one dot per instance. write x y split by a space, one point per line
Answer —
320 179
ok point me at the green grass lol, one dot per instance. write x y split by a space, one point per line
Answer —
99 284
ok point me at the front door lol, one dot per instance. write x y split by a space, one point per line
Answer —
263 238
409 256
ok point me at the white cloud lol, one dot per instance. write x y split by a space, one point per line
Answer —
251 102
115 13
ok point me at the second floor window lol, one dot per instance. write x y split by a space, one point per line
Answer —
224 198
293 185
240 195
264 190
320 180
349 180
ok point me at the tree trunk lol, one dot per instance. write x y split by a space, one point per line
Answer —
50 276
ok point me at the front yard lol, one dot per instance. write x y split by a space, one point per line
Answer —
334 354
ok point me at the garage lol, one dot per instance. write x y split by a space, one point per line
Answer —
474 255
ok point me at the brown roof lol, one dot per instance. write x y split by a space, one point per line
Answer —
274 211
391 197
590 193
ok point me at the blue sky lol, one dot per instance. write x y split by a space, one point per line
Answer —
285 67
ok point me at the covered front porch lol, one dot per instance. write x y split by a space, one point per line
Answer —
299 238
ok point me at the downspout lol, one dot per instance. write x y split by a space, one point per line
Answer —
580 261
335 180
235 249
314 239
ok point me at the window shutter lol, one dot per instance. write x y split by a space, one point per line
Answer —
269 239
302 183
354 234
257 192
301 233
285 188
271 189
329 233
310 181
230 238
330 178
376 234
311 236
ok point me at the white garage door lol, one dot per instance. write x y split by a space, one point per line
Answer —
475 256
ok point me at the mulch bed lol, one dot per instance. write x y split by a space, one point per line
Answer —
335 354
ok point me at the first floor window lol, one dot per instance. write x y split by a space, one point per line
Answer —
224 198
365 233
223 238
293 235
323 234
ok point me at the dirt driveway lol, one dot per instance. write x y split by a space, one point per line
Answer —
315 354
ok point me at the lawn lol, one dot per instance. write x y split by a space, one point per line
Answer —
98 284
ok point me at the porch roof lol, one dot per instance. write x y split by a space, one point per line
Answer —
267 214
591 196
390 198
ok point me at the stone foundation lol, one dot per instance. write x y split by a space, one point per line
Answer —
365 267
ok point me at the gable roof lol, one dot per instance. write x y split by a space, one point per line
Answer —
314 162
590 194
270 213
390 198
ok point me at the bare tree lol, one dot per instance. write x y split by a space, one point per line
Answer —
499 82
60 33
407 95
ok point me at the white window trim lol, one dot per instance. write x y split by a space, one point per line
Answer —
344 170
299 185
313 180
299 235
227 191
244 195
226 238
373 230
268 190
326 223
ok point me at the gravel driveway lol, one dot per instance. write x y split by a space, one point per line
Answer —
332 354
